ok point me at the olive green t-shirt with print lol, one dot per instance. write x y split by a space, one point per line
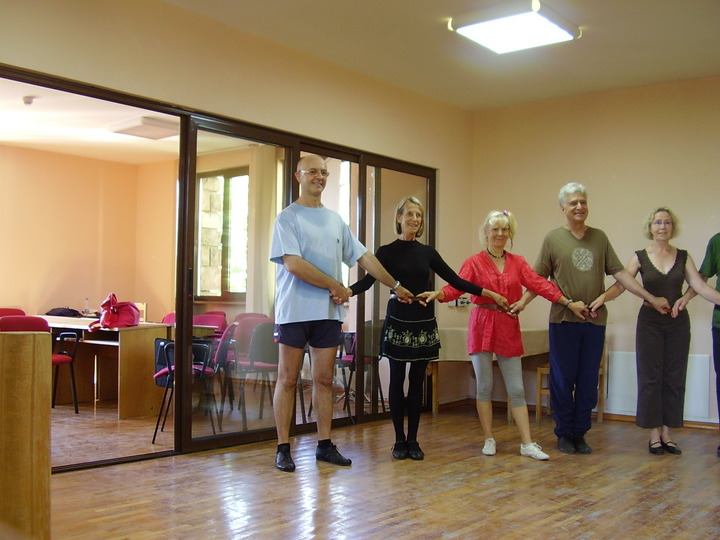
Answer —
578 268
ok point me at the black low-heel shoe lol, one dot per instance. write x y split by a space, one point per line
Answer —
656 448
671 448
400 450
414 451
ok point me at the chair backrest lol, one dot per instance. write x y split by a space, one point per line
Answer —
244 332
11 311
223 315
211 319
169 318
349 340
225 346
165 358
23 323
263 347
240 316
162 361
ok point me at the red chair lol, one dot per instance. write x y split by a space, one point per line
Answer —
169 318
10 311
218 320
25 323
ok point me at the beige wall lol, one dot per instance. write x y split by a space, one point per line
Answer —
76 227
151 49
634 150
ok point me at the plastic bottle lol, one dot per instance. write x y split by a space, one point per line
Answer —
86 309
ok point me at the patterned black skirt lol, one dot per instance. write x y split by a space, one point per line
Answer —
410 341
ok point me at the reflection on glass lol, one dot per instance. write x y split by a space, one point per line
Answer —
237 192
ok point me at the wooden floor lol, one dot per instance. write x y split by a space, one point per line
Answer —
620 491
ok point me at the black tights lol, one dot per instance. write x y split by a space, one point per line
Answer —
413 402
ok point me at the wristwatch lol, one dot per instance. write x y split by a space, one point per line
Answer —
570 301
397 284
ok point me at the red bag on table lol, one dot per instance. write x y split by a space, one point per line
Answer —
114 314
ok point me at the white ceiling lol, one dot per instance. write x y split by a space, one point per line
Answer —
625 43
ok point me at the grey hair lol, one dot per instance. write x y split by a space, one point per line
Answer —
570 189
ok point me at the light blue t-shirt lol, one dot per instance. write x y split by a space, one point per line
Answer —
323 239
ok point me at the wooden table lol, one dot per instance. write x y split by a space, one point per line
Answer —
454 349
116 363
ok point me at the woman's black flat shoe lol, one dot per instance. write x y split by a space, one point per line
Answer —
656 448
400 450
671 448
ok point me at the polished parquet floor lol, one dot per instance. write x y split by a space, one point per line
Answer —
620 491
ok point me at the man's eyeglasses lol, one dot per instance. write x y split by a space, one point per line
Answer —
314 172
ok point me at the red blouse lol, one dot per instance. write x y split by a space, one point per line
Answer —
495 331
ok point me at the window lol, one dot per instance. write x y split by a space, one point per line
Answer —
222 235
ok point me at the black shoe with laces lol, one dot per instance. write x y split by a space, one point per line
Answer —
414 451
400 450
284 461
331 455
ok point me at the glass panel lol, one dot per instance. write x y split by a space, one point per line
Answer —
239 185
340 192
385 189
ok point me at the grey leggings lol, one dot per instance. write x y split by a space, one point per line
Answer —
511 368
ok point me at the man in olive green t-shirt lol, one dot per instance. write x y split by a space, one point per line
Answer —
577 258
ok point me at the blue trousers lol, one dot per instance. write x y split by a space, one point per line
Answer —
716 359
575 354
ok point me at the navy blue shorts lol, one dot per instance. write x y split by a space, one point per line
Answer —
323 334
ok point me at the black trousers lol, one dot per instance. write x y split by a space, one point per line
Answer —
662 345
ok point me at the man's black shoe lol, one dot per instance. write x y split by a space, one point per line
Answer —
566 445
284 461
581 446
400 450
718 451
331 455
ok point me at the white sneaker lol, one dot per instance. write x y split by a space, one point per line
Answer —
489 448
533 450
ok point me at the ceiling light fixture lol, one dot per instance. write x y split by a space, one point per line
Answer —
514 26
148 127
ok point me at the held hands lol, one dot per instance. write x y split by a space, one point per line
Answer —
340 294
428 296
581 310
661 305
679 306
403 295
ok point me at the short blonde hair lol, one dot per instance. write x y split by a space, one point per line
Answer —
651 217
401 208
502 217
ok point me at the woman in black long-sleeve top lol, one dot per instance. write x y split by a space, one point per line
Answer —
410 332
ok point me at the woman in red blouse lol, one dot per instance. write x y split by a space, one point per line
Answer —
492 330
